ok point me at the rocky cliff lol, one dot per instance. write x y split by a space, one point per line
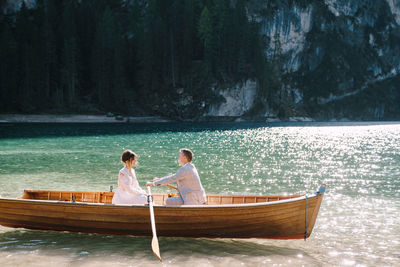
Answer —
337 59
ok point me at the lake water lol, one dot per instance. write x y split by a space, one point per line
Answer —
358 223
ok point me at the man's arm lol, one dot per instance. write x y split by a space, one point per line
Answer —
171 178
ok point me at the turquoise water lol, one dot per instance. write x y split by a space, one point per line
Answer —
358 224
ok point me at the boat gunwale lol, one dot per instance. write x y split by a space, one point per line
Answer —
241 205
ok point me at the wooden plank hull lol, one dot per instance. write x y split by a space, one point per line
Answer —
283 219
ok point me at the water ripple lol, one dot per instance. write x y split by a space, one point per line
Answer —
358 224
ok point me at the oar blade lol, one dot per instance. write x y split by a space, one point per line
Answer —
156 248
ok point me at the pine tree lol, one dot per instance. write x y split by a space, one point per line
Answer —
189 30
208 36
205 27
2 9
135 39
103 57
190 43
69 53
154 52
50 80
120 92
24 31
221 14
239 56
8 67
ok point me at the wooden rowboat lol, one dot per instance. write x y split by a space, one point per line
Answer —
278 217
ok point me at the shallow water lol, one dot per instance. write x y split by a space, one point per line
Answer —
358 223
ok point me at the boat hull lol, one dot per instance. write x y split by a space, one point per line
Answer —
284 219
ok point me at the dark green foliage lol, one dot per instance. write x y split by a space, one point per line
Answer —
124 56
8 68
148 57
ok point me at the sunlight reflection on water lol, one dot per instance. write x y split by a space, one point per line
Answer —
358 224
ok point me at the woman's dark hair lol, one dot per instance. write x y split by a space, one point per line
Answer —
188 153
127 155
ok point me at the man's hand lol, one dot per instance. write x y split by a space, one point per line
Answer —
156 179
149 184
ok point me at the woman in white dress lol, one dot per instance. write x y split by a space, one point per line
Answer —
129 190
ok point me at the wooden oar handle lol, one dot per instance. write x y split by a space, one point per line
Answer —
173 187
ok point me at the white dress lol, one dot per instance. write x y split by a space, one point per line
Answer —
129 190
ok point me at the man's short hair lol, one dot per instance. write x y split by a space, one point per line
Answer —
187 153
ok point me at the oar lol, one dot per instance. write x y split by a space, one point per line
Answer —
173 187
154 242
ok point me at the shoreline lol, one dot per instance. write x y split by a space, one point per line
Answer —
107 119
73 118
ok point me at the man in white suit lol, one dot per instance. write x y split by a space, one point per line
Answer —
187 178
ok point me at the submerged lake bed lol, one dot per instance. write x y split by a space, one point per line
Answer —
358 223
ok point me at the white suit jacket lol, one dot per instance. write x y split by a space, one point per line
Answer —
189 184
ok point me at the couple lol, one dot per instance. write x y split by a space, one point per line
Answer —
191 191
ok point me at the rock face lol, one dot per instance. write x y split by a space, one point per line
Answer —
13 5
287 28
237 100
339 58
